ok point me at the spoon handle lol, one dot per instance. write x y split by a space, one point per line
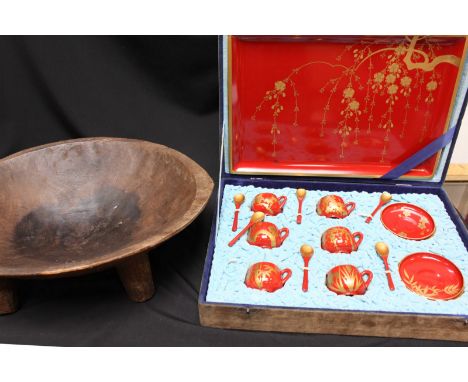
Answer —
305 279
236 218
369 218
240 234
299 212
389 275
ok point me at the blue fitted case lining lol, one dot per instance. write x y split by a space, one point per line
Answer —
330 187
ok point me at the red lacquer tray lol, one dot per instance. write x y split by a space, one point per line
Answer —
408 221
338 106
432 276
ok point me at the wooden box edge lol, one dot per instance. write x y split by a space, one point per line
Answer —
396 325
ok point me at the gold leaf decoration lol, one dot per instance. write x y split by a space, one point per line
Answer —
403 73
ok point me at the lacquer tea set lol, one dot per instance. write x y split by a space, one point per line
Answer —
331 122
427 274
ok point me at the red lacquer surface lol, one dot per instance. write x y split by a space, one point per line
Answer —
341 240
347 280
339 106
267 235
333 206
269 203
266 276
408 221
432 276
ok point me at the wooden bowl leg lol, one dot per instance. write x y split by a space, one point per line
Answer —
8 297
136 277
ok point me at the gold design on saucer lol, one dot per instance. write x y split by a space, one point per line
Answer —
422 223
406 212
403 234
431 292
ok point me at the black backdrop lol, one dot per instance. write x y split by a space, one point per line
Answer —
162 89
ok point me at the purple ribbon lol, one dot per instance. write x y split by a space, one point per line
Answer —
420 156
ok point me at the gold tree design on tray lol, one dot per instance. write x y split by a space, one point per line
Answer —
403 74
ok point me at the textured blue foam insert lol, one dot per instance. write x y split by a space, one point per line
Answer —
229 265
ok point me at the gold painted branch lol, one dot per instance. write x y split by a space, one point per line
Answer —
427 65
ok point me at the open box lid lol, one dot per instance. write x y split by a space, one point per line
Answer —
342 106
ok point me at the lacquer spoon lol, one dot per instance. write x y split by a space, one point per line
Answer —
300 193
306 252
238 200
384 199
256 217
382 250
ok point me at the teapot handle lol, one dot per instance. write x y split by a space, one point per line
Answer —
369 275
288 274
360 237
282 201
350 207
283 234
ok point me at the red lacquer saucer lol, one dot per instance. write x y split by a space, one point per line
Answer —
408 221
432 276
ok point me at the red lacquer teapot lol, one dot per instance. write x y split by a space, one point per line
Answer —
269 203
333 206
341 240
266 276
267 235
347 280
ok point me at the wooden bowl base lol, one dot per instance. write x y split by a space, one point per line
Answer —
9 302
134 273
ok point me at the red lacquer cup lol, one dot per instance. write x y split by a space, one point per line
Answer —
267 235
333 206
347 280
266 276
341 240
268 203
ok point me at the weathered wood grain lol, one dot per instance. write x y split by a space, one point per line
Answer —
450 328
8 297
135 274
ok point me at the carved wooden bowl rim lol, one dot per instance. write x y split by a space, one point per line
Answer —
204 188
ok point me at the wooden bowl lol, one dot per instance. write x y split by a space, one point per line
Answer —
74 206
